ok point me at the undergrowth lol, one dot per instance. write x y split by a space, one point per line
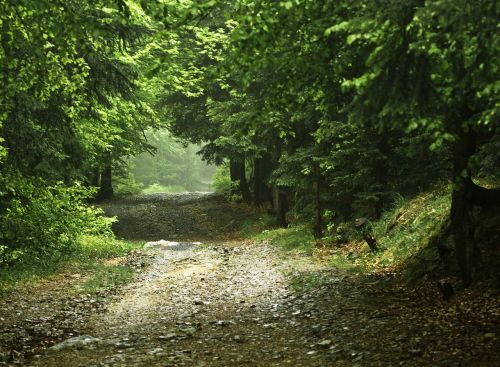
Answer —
105 277
403 235
253 227
155 188
88 255
294 238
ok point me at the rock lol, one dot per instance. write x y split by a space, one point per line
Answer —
325 343
77 342
161 244
223 322
156 351
189 330
168 336
238 339
277 355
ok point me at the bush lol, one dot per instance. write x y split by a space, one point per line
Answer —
341 233
126 185
222 181
252 227
223 185
40 220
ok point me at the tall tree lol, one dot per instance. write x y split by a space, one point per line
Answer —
433 65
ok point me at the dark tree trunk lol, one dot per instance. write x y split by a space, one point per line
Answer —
106 182
462 225
261 172
280 204
93 178
318 220
237 174
382 171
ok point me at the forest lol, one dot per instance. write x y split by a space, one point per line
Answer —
330 117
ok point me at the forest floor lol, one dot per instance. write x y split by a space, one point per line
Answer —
207 297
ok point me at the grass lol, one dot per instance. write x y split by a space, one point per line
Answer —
154 188
105 277
253 227
89 256
294 238
403 235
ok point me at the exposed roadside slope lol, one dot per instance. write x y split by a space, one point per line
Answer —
191 216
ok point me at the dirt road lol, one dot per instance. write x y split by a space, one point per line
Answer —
226 301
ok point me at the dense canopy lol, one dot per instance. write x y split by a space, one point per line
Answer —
329 110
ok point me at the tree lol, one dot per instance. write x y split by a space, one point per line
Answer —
65 69
433 65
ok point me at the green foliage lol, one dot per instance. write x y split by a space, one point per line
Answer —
172 164
68 100
105 277
41 220
222 182
126 184
404 237
341 233
160 188
342 106
87 256
295 238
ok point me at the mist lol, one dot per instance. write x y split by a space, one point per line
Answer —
174 167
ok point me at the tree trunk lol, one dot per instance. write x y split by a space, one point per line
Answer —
106 182
318 220
280 204
462 225
93 178
382 171
237 174
261 171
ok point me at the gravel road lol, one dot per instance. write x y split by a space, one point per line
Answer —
207 297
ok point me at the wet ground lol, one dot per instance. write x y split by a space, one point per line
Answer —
227 301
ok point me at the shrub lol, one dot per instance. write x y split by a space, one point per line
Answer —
222 181
39 220
222 184
126 185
